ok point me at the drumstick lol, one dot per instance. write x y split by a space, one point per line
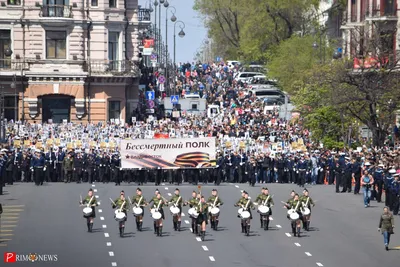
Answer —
113 202
81 197
130 200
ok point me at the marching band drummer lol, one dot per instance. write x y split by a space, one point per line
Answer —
193 202
158 203
121 204
154 199
295 205
90 201
265 199
202 218
139 201
242 201
178 202
306 203
214 201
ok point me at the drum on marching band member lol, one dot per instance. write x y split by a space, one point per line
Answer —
214 201
245 212
307 202
193 202
157 212
176 209
265 202
202 208
89 212
121 216
138 202
294 214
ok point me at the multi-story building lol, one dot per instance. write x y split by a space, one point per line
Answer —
370 30
75 60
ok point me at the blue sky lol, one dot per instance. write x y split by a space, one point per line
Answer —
194 28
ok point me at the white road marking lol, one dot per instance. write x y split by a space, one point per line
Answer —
278 226
98 203
166 188
108 244
95 190
111 254
97 196
191 230
297 244
183 214
113 264
288 235
102 218
104 226
198 239
308 254
162 184
205 248
93 185
100 210
169 194
211 258
319 264
106 235
271 219
236 186
186 221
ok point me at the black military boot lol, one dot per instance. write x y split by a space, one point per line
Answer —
298 231
243 230
308 226
137 225
155 228
262 222
88 227
179 226
203 234
193 228
140 226
175 227
212 224
248 230
216 225
160 231
122 231
197 229
91 227
294 230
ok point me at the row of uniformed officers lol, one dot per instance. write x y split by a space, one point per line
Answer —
200 210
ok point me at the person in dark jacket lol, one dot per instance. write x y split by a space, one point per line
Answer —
386 225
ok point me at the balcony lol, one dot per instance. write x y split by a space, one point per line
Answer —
12 65
144 15
114 68
386 12
56 11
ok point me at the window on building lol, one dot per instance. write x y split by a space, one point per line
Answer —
113 54
9 108
5 42
94 3
353 11
14 2
114 110
56 44
112 3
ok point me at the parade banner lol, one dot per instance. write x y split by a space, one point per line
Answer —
168 153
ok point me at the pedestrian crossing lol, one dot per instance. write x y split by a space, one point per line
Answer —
8 222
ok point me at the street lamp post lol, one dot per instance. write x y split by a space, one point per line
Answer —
181 34
173 19
14 86
155 27
162 2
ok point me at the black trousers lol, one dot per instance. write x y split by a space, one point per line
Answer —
115 175
9 177
59 172
357 179
338 181
347 182
38 175
67 176
379 184
78 175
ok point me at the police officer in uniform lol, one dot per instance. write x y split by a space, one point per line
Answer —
78 167
378 179
9 167
50 158
37 166
347 176
60 155
115 166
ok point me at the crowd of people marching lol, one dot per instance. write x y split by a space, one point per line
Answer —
253 146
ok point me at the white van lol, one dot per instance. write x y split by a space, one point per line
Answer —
232 63
244 76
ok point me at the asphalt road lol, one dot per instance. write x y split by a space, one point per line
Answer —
47 220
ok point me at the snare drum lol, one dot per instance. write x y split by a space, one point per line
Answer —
152 211
137 211
306 211
87 212
156 215
214 211
245 215
193 213
174 210
240 211
294 216
120 216
263 210
291 211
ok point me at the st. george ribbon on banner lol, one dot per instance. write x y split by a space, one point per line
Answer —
168 153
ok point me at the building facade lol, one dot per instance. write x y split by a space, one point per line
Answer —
74 60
